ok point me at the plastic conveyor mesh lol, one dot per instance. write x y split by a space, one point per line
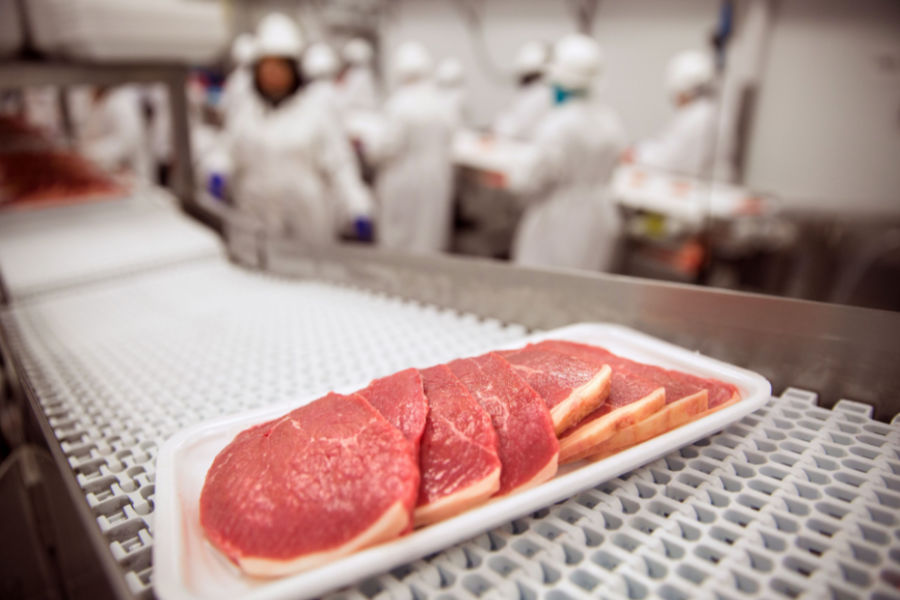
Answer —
794 501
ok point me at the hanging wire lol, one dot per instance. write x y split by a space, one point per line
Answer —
472 15
585 13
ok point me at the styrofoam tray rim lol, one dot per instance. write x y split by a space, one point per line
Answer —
170 561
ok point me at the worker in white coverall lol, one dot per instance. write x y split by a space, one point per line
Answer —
687 144
358 82
293 169
320 67
570 221
239 83
533 98
414 185
450 80
114 135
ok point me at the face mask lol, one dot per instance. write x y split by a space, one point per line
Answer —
560 95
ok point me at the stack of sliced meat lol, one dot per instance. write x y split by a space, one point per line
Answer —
350 471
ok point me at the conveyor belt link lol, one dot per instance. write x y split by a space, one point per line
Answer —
793 501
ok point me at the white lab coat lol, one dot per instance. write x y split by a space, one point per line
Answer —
358 89
42 109
571 221
294 170
324 92
414 185
236 92
114 135
687 144
454 100
521 120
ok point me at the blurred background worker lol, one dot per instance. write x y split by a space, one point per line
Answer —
415 178
450 80
294 170
158 118
320 67
687 144
114 135
41 108
239 83
571 223
533 99
358 82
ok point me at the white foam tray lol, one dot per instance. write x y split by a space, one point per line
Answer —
186 566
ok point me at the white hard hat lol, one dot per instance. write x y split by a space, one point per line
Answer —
320 61
577 62
688 72
243 49
532 58
449 73
358 51
412 61
277 35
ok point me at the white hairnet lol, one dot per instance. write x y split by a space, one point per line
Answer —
358 51
320 61
412 61
688 72
278 35
532 58
449 73
243 49
577 62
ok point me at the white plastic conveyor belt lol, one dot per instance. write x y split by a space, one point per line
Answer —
47 249
794 501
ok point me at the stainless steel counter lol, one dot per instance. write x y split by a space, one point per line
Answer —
836 351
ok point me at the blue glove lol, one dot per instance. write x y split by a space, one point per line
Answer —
363 228
215 185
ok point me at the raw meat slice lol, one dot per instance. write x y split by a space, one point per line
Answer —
526 441
678 384
458 455
720 398
401 399
571 387
672 416
319 483
631 399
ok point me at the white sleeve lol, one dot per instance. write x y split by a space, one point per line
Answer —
681 146
383 143
541 166
524 115
337 161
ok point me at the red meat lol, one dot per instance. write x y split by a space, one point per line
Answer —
319 483
527 444
571 388
458 455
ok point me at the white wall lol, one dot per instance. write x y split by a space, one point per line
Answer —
639 37
827 130
507 25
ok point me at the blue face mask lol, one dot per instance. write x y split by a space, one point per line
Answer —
561 95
